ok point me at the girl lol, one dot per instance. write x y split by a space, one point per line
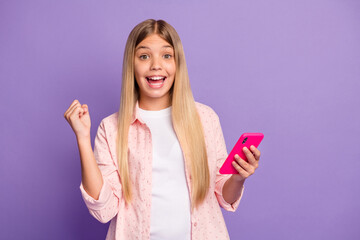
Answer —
155 167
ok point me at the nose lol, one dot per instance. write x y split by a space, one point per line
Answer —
155 64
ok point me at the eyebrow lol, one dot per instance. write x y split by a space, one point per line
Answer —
139 47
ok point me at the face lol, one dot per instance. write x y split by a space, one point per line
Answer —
155 69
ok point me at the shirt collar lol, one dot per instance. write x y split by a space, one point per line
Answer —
136 114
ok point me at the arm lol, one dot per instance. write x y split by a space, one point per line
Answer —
100 186
232 190
233 194
90 173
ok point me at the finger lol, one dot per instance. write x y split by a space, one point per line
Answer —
240 170
77 112
85 107
73 108
70 107
256 152
81 110
246 166
250 157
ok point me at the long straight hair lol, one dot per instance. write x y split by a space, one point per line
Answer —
185 118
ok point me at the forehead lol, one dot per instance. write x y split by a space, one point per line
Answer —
153 42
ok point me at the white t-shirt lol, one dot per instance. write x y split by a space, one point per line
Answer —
170 206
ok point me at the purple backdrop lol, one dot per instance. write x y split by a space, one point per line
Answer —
289 69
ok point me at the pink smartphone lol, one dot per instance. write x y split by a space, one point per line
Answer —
245 140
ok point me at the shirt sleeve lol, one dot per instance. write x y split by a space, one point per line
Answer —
107 206
221 155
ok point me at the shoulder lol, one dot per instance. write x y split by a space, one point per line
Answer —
110 122
205 111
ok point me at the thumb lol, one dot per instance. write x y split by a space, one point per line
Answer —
85 107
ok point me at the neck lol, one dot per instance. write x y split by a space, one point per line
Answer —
154 104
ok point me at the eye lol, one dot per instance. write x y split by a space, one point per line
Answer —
167 56
144 56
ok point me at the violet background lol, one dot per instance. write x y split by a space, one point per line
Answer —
289 69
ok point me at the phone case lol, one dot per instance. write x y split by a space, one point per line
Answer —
245 140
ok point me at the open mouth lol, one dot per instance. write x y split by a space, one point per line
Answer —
156 81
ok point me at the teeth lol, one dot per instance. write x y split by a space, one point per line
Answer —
156 78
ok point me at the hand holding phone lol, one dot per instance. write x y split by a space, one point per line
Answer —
245 140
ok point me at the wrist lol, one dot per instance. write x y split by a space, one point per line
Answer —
83 140
237 178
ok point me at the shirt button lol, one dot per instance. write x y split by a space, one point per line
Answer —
195 224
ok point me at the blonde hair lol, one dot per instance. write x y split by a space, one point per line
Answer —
185 118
